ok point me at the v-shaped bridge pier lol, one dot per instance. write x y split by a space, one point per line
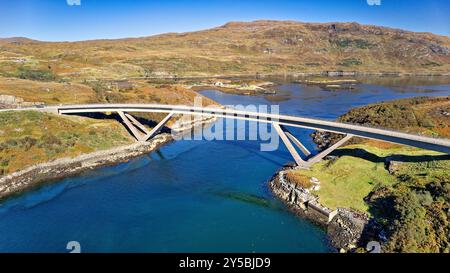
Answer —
138 130
290 141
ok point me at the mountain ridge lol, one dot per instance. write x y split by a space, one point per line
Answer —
226 25
263 46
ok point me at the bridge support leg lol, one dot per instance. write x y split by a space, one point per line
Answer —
137 123
289 146
138 135
158 127
297 142
133 124
328 151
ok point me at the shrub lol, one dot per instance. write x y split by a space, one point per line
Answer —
48 141
298 179
10 143
350 62
358 43
4 163
114 97
35 74
27 142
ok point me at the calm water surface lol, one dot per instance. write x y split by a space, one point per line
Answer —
189 196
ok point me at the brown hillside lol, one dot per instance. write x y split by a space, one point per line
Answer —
237 48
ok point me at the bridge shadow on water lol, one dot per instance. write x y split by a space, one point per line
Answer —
363 154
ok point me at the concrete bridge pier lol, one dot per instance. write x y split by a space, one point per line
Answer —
297 143
288 138
139 131
159 127
328 151
133 129
285 137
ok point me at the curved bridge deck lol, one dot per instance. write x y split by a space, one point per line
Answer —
280 123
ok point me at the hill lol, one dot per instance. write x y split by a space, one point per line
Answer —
271 47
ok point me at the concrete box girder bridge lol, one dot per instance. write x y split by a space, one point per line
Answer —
279 122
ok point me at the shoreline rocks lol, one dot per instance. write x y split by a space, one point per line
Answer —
300 200
35 175
347 230
293 74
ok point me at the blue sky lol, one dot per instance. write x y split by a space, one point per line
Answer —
55 20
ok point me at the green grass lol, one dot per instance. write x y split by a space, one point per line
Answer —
346 181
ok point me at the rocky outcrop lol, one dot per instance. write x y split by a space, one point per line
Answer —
351 230
64 167
7 101
347 229
300 200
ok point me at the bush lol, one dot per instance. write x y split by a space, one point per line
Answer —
35 74
27 142
49 141
114 97
10 143
350 62
4 163
358 43
298 179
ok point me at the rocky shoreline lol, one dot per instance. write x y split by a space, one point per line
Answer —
294 75
34 176
348 230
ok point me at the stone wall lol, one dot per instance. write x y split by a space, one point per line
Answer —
301 200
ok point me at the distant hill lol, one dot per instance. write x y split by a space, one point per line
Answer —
238 48
421 115
17 40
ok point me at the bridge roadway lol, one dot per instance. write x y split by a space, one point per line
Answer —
280 123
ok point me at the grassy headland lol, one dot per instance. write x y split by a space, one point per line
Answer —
405 189
29 137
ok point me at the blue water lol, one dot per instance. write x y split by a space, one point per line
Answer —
189 196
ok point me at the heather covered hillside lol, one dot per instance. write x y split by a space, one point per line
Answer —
235 48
